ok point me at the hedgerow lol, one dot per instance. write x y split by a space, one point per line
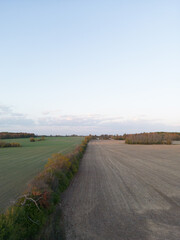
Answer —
28 215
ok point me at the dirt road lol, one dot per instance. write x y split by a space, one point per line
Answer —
125 192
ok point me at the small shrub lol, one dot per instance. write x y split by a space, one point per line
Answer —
15 144
4 144
32 139
41 139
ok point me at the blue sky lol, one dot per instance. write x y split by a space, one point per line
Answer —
89 66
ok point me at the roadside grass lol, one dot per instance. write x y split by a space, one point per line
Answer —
18 166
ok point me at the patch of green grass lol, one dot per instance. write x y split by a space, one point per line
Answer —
19 165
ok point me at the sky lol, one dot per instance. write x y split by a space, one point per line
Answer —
89 67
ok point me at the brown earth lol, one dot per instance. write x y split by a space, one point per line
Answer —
125 192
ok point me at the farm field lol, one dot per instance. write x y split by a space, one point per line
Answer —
125 192
19 165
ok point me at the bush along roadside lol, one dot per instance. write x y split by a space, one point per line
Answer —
25 219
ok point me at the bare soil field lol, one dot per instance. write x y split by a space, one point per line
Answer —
125 192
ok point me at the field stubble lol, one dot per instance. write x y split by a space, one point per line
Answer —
125 192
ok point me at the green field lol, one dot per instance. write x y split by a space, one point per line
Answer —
20 164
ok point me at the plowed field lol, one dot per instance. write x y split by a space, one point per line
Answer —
125 192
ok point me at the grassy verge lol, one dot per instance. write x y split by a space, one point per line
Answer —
26 218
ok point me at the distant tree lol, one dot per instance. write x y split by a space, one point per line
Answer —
32 139
41 139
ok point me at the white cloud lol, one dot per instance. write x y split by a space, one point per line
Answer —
79 124
10 119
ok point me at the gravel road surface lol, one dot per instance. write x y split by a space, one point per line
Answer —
125 192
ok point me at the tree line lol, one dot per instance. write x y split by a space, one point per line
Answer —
143 138
152 138
9 135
